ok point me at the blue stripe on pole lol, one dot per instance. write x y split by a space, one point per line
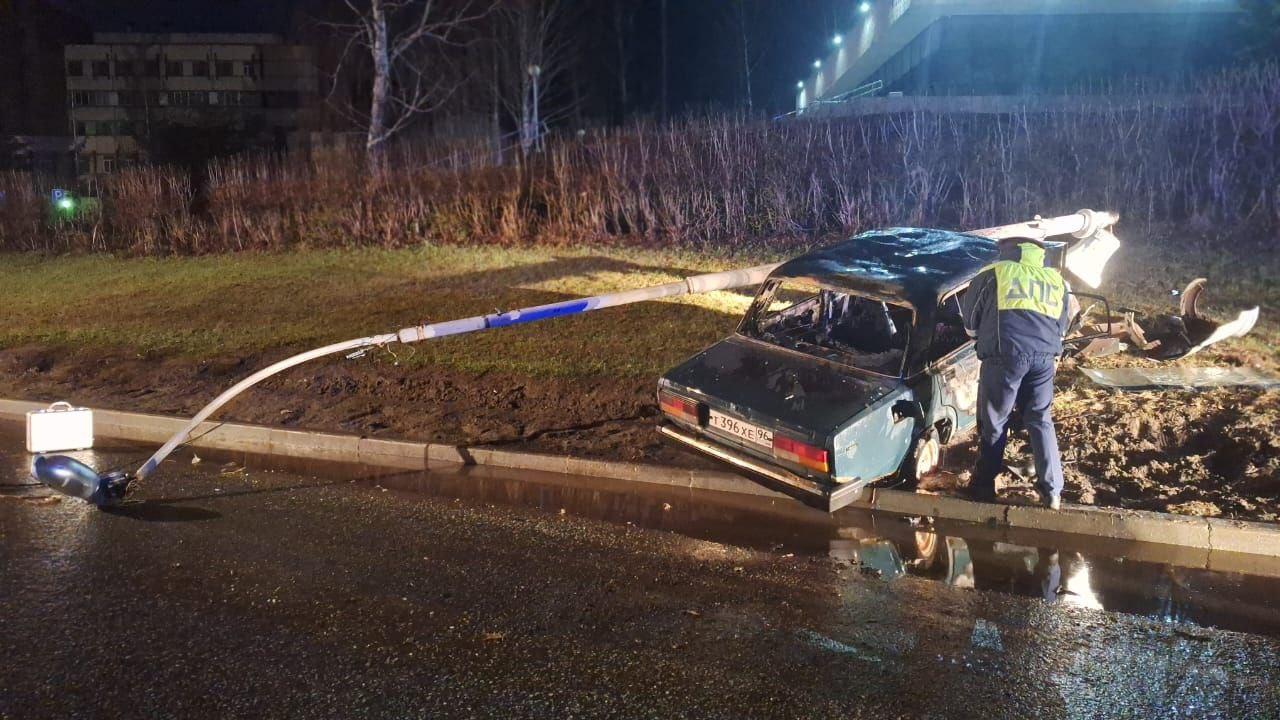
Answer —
517 317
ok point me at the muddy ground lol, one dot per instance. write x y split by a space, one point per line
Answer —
1209 453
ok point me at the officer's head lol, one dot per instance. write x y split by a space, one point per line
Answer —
1021 249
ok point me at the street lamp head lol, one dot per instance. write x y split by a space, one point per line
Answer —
535 70
817 64
838 40
864 8
800 85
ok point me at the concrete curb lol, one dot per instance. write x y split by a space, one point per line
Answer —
1129 525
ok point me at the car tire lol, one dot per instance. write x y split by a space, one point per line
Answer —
923 549
922 460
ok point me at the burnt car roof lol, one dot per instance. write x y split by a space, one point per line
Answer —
915 265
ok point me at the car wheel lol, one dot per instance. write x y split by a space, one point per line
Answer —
922 460
924 544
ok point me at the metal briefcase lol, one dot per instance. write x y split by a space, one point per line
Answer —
58 428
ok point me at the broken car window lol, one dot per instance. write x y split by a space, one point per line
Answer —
948 332
800 314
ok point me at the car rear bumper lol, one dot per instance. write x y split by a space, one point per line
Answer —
826 496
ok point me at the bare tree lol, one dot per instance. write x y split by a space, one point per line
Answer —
405 42
533 53
663 32
748 60
624 20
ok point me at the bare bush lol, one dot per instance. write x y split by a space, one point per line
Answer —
1208 160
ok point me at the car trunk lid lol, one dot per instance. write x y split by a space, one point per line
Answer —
776 388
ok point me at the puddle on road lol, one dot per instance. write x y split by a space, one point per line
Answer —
1176 585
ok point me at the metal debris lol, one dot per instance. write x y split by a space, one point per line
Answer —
1164 337
1183 378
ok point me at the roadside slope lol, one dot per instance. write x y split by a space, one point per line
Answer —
165 335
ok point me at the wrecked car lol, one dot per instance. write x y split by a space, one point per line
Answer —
851 365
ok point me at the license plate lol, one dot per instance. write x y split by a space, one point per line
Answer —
739 429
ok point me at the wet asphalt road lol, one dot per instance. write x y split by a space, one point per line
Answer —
247 593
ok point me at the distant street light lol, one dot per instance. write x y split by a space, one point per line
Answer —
817 64
837 40
800 85
864 8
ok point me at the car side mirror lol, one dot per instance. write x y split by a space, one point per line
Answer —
908 409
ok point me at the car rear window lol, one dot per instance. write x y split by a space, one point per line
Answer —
803 315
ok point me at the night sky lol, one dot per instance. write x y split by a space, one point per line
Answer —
705 45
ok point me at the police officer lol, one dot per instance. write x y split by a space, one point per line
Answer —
1018 311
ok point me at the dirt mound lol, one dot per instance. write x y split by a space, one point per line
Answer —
594 416
1193 453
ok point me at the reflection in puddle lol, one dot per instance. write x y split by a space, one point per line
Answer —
1059 569
959 566
1233 601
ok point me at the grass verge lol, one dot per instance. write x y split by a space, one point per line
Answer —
251 304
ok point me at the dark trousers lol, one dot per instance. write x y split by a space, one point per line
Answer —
1026 382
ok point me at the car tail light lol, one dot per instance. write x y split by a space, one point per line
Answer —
678 408
784 448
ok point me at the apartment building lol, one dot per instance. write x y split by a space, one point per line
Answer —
125 90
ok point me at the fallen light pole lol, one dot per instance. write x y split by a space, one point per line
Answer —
72 477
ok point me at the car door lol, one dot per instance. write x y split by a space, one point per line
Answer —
954 372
